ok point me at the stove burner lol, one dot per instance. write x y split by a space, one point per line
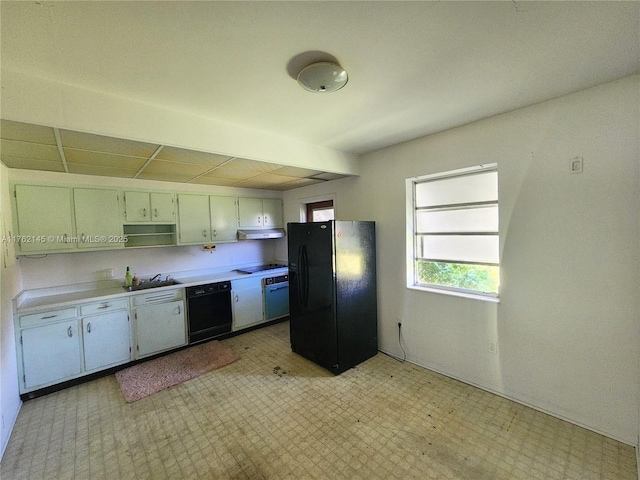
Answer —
260 268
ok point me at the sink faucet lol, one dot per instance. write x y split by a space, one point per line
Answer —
155 277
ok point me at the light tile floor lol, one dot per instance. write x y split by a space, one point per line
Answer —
274 415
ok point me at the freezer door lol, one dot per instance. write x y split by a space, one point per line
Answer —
312 291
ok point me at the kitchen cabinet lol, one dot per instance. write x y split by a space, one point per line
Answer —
246 294
49 348
159 321
44 218
106 334
224 218
97 218
143 206
194 219
260 212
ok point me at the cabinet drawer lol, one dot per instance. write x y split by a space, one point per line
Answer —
47 317
157 297
103 307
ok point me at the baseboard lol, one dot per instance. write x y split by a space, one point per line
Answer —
626 441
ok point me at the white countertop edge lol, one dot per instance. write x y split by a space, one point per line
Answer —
29 301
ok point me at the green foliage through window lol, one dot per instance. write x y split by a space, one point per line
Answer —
482 278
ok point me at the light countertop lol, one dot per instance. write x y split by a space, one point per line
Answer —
69 295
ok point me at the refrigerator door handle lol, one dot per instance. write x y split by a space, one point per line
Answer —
299 279
305 267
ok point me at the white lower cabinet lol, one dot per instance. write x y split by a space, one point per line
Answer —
106 336
159 322
50 353
247 302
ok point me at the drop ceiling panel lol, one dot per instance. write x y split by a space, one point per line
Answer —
190 156
99 143
27 132
100 170
31 164
271 179
33 147
222 182
184 169
296 172
100 159
252 165
165 177
301 182
231 173
329 176
35 151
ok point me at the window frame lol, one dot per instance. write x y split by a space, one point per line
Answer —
412 235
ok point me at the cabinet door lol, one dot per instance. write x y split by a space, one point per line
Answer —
160 327
44 212
162 207
224 218
106 340
272 208
247 302
98 222
194 222
50 353
250 212
137 207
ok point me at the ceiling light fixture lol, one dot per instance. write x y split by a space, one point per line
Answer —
323 77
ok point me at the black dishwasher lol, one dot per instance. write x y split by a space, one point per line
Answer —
208 311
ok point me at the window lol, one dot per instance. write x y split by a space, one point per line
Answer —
453 230
320 211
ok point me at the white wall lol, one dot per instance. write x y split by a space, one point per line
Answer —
10 285
568 323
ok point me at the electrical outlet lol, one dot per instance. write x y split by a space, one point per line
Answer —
492 347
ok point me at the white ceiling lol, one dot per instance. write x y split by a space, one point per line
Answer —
415 68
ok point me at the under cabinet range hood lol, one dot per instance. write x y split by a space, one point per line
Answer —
260 234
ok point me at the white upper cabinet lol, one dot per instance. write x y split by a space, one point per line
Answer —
194 220
143 206
224 218
44 217
273 214
260 212
97 218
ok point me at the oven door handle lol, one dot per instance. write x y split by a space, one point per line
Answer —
280 287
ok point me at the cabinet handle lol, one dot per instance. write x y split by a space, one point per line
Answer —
88 327
236 298
204 233
82 238
69 332
49 316
266 219
155 212
178 310
259 220
106 305
144 212
215 233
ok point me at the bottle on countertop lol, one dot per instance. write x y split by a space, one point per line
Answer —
136 280
128 280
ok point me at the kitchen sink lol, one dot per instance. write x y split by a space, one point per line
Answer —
148 285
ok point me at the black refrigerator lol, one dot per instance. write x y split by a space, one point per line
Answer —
332 292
